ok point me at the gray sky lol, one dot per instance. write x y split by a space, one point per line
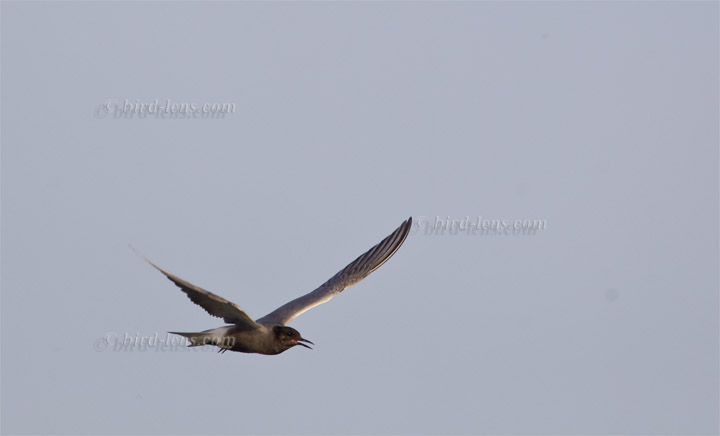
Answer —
599 118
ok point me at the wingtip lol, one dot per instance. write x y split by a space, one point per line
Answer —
135 250
142 256
138 253
408 228
407 225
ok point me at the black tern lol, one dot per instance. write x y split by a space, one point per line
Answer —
270 334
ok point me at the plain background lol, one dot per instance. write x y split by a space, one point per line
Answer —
599 117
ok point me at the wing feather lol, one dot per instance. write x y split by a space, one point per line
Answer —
348 276
213 304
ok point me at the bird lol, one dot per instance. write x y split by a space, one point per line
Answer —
271 334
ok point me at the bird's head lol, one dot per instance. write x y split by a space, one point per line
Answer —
288 337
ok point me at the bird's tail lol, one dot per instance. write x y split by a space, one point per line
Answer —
206 338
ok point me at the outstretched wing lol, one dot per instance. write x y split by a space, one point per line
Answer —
351 274
214 304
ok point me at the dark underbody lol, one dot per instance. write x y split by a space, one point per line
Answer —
268 340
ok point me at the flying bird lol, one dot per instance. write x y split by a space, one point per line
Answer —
271 334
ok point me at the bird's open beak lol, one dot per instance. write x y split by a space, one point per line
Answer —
301 340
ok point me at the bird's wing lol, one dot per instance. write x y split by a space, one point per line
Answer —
214 304
351 274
